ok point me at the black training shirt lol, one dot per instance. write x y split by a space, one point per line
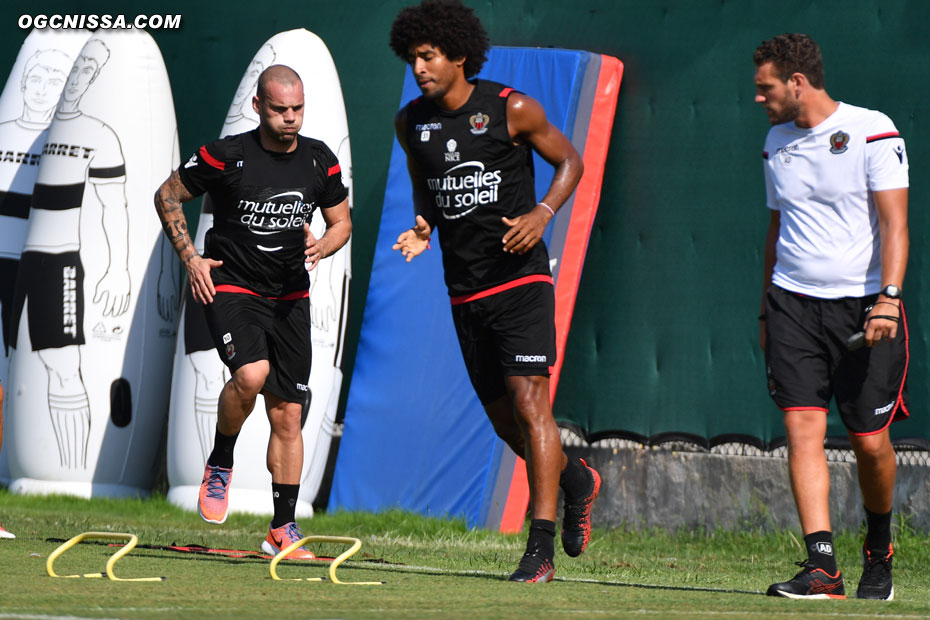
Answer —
261 200
474 174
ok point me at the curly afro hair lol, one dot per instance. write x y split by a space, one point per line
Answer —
449 25
792 53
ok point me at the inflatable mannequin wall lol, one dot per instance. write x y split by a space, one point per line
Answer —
94 304
26 108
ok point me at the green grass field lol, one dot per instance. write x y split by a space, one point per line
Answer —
431 569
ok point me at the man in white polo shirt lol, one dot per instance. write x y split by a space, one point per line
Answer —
833 324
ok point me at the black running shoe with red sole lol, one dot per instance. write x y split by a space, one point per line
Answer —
534 567
576 518
876 575
810 583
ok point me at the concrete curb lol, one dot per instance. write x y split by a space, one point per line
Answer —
648 488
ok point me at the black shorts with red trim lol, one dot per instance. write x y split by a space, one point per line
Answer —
249 328
54 286
506 331
808 362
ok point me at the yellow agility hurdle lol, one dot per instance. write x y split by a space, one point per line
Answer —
109 574
355 543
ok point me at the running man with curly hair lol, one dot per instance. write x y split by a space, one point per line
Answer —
469 146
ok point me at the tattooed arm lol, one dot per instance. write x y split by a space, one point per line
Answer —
168 201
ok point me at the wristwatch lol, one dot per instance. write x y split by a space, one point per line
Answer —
891 291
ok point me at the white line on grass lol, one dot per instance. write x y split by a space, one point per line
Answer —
464 542
422 569
482 573
46 617
664 612
119 610
755 614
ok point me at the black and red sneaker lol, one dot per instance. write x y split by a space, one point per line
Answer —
576 517
876 575
811 582
534 567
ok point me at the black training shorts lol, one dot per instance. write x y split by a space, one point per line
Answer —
54 286
510 333
197 335
808 363
247 328
8 269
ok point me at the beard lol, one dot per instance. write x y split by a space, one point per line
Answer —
788 113
285 137
435 93
279 135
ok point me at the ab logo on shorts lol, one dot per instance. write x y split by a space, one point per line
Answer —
230 347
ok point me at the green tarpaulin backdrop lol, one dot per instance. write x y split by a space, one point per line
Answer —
664 337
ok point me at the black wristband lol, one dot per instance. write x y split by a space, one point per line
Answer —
884 316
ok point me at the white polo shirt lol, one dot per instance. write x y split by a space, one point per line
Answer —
821 180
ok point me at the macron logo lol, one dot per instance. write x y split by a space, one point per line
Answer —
191 162
529 358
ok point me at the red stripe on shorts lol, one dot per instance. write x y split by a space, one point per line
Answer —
805 409
461 299
232 288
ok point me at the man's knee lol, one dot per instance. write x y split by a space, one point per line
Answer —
501 414
250 379
872 447
806 424
530 398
